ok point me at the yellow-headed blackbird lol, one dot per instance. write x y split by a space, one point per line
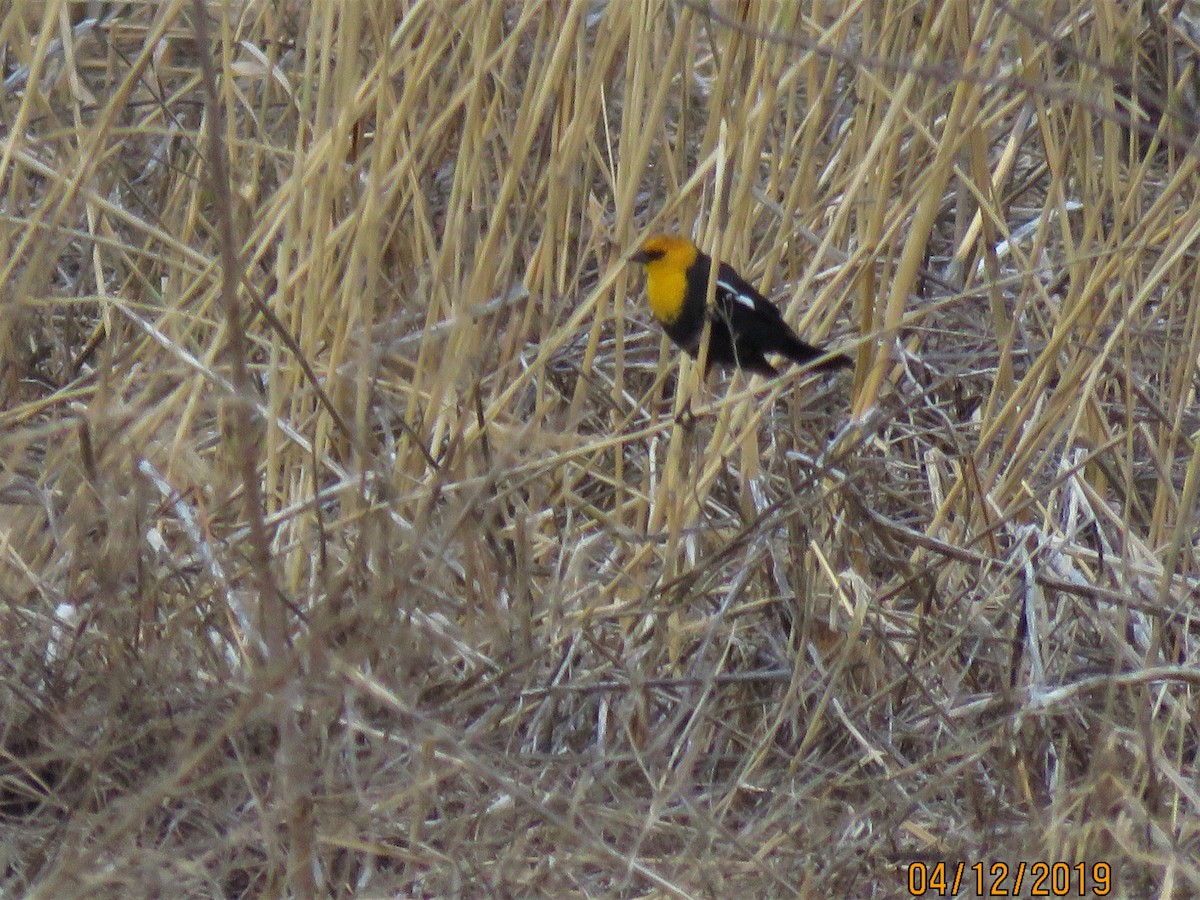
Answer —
745 325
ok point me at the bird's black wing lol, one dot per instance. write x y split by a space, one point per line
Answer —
739 300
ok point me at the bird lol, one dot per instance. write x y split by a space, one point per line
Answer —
746 326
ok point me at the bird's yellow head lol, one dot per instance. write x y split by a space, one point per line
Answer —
665 251
666 259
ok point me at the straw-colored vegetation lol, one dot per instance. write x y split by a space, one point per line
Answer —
361 535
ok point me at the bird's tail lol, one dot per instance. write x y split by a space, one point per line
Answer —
801 353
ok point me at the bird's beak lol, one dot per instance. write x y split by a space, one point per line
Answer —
641 257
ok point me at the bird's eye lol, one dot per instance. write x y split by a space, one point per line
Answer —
646 255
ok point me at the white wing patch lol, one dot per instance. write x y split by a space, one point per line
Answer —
736 294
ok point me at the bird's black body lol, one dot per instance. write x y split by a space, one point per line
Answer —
746 325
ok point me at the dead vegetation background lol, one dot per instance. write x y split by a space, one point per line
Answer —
360 536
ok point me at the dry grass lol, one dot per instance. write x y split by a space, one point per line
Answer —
355 537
